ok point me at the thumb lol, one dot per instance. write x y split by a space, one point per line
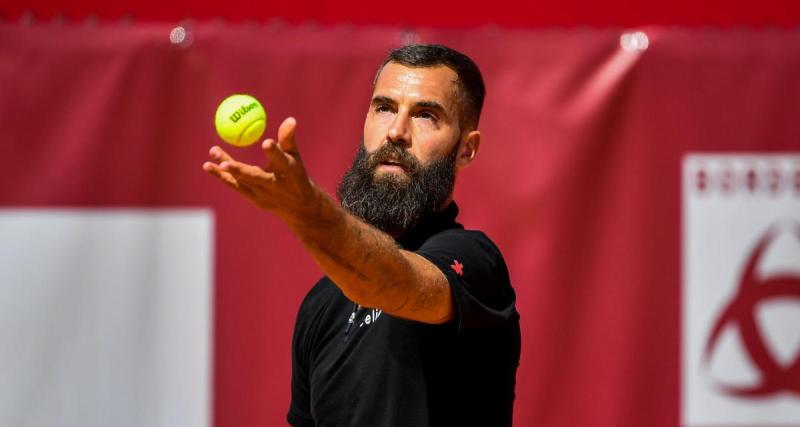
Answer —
286 136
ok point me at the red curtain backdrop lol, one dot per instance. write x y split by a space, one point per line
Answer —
447 13
577 179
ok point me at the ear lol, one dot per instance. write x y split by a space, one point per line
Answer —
468 149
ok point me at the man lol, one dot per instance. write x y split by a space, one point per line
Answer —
414 323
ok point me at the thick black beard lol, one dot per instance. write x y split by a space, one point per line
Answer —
392 203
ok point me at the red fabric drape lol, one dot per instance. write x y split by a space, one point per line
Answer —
577 179
448 13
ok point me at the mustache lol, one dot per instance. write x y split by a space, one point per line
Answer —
391 152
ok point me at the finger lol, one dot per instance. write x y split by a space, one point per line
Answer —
224 176
219 154
277 160
249 174
227 178
286 136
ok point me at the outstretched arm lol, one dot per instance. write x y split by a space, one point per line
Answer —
365 263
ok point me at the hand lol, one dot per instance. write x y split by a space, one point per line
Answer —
281 186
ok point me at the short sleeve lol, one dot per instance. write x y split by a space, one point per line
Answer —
478 277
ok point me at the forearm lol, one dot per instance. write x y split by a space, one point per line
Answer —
368 265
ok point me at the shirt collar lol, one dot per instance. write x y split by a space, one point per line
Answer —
442 220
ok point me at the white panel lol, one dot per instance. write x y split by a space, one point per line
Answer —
105 317
742 199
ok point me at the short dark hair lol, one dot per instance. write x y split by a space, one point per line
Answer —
471 89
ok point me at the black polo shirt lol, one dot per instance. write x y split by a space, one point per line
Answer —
387 371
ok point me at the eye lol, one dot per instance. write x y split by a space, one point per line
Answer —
429 115
383 108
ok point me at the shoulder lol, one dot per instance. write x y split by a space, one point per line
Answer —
477 274
321 291
319 296
316 303
472 249
463 236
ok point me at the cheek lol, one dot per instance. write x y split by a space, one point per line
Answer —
434 147
375 130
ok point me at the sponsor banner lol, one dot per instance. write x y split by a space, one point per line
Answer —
741 290
105 317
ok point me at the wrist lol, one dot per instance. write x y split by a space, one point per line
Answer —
311 211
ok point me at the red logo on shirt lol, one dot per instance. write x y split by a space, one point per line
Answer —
457 267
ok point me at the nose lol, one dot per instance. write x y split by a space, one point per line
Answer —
398 132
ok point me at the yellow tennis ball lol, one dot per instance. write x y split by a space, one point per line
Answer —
240 120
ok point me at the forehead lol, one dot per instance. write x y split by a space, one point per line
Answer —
436 83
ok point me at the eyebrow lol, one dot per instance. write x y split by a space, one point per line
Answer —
433 105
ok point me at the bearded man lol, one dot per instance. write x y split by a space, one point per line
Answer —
414 322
